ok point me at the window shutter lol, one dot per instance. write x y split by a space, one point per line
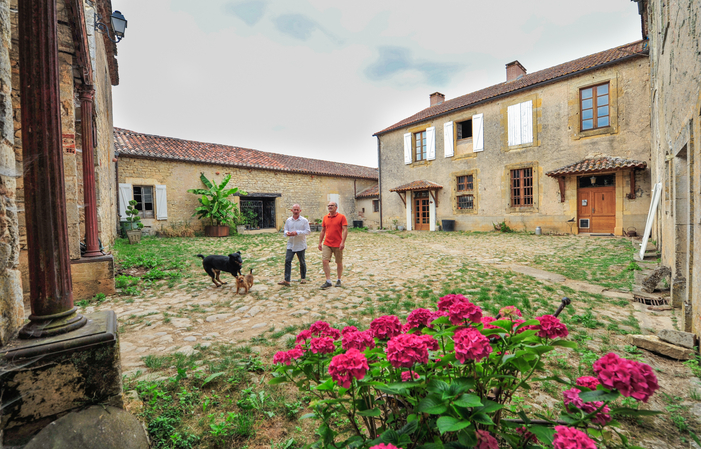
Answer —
161 203
448 139
431 143
407 148
514 113
478 132
527 122
126 193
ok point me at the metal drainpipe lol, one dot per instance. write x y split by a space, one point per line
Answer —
379 178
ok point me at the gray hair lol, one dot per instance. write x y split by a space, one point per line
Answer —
334 203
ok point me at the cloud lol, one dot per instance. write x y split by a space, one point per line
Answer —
398 61
250 11
296 25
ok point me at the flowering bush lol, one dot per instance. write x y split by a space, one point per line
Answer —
446 378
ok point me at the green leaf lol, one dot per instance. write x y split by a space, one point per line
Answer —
326 386
211 377
467 437
307 416
461 385
468 400
504 324
277 380
633 412
437 386
544 434
490 406
205 181
371 412
409 428
390 436
482 418
598 395
432 404
564 344
450 424
541 349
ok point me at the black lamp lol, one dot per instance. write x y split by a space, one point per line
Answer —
119 25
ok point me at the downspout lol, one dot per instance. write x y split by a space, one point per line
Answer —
379 178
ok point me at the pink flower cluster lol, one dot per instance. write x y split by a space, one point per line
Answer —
287 357
448 300
404 350
344 367
418 318
323 329
322 345
550 327
571 398
509 312
348 329
629 377
358 340
409 375
588 382
470 344
304 336
459 312
569 438
485 440
386 327
385 446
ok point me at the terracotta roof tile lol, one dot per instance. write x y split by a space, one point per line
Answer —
130 143
371 192
597 165
421 184
621 53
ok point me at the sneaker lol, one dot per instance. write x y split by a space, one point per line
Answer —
338 283
326 284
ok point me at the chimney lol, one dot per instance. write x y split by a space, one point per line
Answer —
437 98
514 71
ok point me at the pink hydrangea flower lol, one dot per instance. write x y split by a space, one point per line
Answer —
322 345
588 382
569 438
448 300
408 375
347 329
488 319
509 312
437 314
419 317
404 350
304 336
527 436
301 348
358 340
385 446
344 367
629 377
459 312
571 399
485 440
470 344
430 342
318 328
551 327
286 357
386 327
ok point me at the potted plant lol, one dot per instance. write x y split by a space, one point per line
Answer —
134 224
216 206
239 221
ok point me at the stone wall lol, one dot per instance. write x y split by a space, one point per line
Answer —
11 307
312 192
370 219
557 143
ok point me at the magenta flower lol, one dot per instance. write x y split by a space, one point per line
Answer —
404 350
409 375
385 446
629 377
386 327
418 318
322 345
304 336
459 312
286 357
485 440
470 344
347 329
358 340
448 300
526 435
588 382
571 399
430 342
569 438
488 319
509 312
319 328
551 327
344 367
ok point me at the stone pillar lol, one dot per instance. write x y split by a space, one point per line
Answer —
45 204
86 97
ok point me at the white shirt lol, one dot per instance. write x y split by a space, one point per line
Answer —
301 225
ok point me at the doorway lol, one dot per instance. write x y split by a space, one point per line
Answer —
422 213
261 211
596 204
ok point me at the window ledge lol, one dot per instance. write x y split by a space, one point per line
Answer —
595 132
420 163
525 209
521 146
465 156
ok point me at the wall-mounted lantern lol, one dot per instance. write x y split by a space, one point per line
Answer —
119 25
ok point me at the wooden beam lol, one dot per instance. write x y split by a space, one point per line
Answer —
561 181
403 198
434 196
631 195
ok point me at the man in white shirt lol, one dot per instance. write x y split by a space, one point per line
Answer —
296 229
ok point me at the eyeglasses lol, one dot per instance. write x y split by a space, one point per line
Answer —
330 205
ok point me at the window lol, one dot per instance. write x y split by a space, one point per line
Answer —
594 107
375 205
466 202
465 184
465 129
420 146
520 123
143 195
522 187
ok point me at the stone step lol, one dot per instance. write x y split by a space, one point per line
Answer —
654 344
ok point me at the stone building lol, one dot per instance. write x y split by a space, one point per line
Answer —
565 148
157 172
367 204
675 94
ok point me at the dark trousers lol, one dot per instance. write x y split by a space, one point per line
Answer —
302 264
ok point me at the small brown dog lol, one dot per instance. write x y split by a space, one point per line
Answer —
245 282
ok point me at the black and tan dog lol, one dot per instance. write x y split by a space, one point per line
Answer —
244 282
214 265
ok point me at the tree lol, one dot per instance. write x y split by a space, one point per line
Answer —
215 203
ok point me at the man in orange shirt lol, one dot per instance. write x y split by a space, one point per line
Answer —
334 230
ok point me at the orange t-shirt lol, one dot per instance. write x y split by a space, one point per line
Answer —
334 229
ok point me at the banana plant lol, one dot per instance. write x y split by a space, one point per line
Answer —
215 204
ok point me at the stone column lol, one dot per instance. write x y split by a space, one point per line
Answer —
45 203
86 110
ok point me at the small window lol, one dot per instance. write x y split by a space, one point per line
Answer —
594 107
465 183
375 205
420 146
143 195
466 202
465 129
522 187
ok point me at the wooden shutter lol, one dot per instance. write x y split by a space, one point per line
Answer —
407 148
514 113
431 143
527 122
126 193
161 203
478 132
448 139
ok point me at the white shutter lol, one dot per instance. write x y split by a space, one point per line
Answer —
126 193
407 148
478 132
431 143
514 113
336 198
527 122
161 203
448 139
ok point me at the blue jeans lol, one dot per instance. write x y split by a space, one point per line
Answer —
302 264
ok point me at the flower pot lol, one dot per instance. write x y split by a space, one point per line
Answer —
240 229
134 236
216 231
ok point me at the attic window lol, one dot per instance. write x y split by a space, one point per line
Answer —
465 129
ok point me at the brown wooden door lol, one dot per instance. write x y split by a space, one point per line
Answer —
596 206
422 215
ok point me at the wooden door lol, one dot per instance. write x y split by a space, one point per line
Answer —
422 215
596 209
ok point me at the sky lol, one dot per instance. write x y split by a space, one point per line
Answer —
317 78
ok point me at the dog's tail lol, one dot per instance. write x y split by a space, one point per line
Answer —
251 272
199 255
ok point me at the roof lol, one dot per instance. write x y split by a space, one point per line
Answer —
133 144
421 184
371 192
597 165
596 60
